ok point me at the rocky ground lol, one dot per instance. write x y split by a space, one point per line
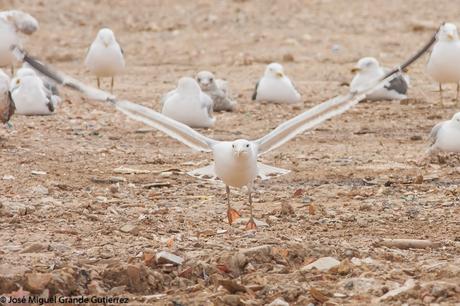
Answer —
92 203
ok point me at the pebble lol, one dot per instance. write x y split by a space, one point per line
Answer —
279 302
130 228
164 257
37 282
322 264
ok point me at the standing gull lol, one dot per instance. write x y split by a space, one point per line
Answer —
275 87
105 57
7 107
11 23
368 69
30 95
217 89
189 105
444 63
445 136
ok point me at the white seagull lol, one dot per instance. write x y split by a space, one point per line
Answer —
7 106
444 62
275 87
235 162
189 105
217 89
30 95
49 83
11 23
105 57
445 136
368 69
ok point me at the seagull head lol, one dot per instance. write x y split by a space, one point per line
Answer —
366 65
205 79
188 86
25 72
448 32
23 21
242 148
274 70
106 36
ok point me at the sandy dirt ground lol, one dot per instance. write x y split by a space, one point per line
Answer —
71 225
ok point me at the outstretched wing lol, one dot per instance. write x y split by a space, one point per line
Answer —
171 127
307 121
60 78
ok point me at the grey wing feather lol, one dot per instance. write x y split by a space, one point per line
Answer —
398 84
254 95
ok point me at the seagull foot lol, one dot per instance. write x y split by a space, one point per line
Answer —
232 215
251 224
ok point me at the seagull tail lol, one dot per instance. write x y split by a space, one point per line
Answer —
205 173
266 172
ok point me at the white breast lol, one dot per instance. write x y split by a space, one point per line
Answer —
277 91
105 61
448 137
30 98
233 172
444 63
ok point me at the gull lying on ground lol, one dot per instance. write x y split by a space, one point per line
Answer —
105 57
189 105
445 136
444 62
275 87
50 84
217 89
30 95
7 106
11 23
368 69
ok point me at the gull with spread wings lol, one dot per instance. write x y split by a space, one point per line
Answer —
235 162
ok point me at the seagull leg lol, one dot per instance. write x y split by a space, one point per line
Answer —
98 83
232 214
12 70
440 94
111 86
251 224
458 89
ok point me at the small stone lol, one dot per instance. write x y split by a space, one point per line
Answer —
37 282
279 302
149 257
130 228
322 264
8 178
40 190
101 199
287 209
418 179
94 288
34 172
232 300
344 267
165 257
288 57
262 250
35 248
416 137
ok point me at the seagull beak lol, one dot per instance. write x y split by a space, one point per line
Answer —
280 74
355 69
450 36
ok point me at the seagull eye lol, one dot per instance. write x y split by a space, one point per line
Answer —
247 145
211 79
199 80
233 146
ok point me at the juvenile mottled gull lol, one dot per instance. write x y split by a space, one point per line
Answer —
275 87
189 105
7 107
105 57
445 136
368 69
217 89
444 62
11 23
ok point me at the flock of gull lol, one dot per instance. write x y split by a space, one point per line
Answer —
32 90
